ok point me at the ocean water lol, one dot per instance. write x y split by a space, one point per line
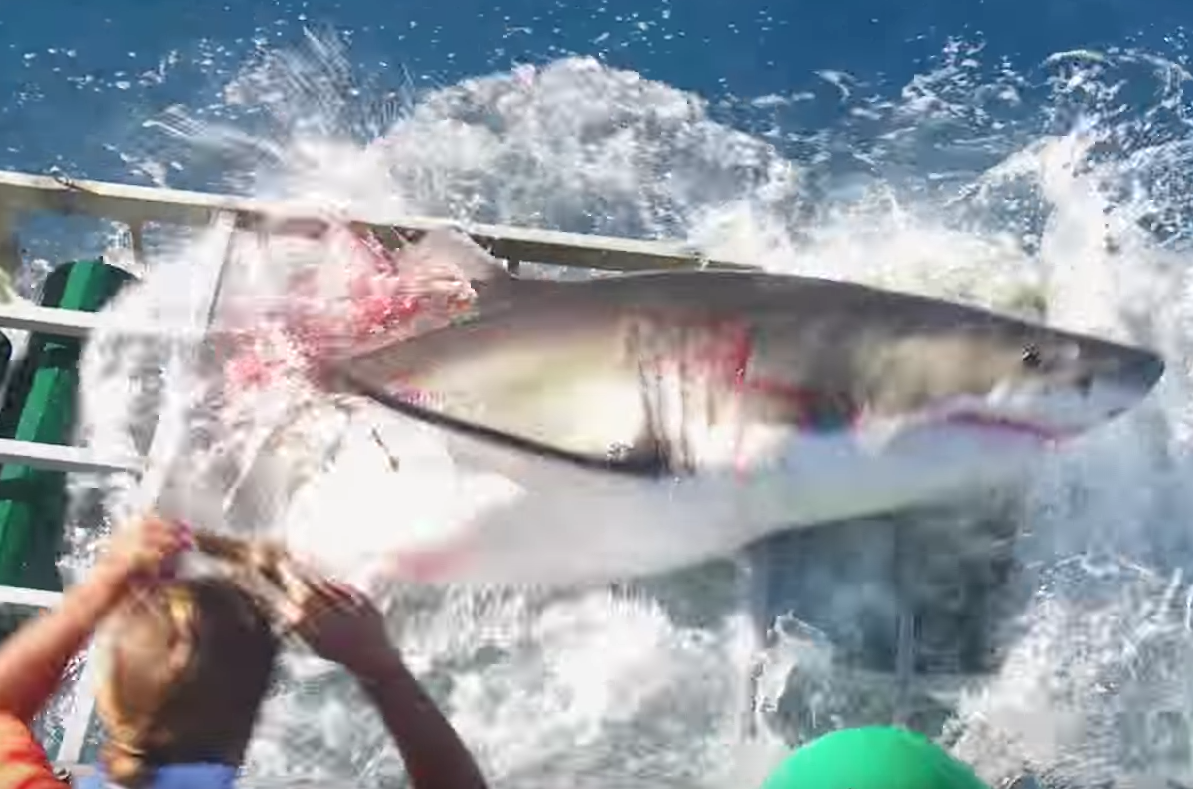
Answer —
1027 156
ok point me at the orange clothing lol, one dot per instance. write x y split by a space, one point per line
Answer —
23 762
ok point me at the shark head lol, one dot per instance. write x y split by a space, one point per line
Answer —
938 363
863 401
985 372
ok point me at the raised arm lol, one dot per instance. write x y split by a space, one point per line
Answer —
341 625
33 659
434 754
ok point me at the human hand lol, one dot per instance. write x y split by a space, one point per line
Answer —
147 547
337 621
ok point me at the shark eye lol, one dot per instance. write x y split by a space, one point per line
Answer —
1032 358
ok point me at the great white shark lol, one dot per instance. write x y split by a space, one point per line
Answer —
654 420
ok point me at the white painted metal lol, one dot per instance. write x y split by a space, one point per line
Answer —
10 248
135 205
29 598
63 323
56 457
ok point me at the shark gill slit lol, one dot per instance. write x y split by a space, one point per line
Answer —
650 430
743 352
686 368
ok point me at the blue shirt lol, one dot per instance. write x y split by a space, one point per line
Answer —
176 776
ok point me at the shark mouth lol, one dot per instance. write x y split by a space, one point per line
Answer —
1002 423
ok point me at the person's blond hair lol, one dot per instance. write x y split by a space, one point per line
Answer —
188 664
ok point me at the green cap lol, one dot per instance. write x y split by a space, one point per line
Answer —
877 757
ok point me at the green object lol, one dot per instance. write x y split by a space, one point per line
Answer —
39 405
875 757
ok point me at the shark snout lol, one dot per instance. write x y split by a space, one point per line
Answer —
1141 371
1100 392
1066 402
1131 371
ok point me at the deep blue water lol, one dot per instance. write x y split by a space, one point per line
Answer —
71 71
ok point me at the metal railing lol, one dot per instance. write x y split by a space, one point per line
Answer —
137 206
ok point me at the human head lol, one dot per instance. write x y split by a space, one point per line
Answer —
188 666
876 757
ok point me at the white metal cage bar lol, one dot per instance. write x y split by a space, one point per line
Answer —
137 205
29 598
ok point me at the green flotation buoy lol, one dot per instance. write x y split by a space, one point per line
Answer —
876 757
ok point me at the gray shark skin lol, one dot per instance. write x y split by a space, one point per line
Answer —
662 418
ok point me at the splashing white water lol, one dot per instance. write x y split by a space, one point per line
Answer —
615 689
